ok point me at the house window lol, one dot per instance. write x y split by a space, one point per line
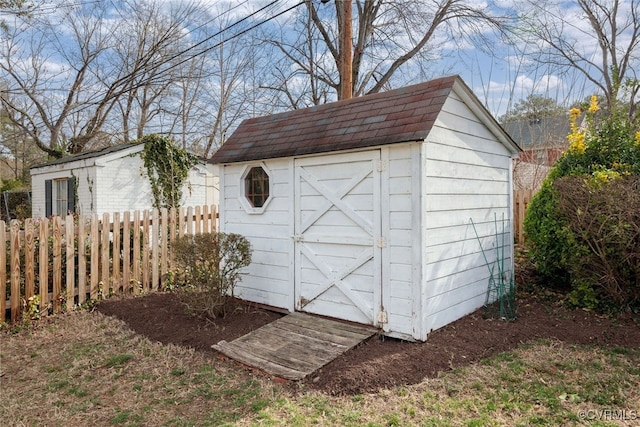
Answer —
59 196
256 186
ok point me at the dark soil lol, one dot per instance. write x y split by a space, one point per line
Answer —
383 362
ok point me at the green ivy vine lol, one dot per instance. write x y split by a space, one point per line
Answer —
167 167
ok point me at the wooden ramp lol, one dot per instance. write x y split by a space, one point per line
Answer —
295 345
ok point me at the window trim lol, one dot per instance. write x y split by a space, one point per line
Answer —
243 193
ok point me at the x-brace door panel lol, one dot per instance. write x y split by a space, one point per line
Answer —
337 227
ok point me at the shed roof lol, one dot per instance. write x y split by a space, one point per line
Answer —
87 155
400 115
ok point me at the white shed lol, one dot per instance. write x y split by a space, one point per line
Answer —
108 181
367 209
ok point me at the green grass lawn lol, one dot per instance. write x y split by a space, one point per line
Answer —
85 369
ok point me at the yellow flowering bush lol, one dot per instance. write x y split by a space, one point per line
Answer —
576 136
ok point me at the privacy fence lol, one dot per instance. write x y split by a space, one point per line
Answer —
52 265
521 201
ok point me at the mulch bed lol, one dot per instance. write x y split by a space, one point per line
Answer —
384 362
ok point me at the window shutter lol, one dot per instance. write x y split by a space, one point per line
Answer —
48 193
71 194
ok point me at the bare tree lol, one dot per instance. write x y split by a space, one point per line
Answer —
599 39
70 81
144 28
389 35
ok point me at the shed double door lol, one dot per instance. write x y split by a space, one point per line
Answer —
337 236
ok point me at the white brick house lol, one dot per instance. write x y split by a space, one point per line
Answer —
107 181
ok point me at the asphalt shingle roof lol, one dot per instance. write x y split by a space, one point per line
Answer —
400 115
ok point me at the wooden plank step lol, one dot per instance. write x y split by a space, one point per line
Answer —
320 335
295 345
278 358
299 351
333 325
258 362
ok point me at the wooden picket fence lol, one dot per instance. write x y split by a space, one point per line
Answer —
521 201
86 258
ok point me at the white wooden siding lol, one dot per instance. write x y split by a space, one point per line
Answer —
466 179
268 280
398 260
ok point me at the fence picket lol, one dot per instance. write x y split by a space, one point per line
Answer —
95 251
164 246
189 220
43 261
181 221
145 251
70 290
15 269
197 221
205 220
155 249
126 248
104 254
57 263
29 261
82 262
136 252
3 272
115 264
172 234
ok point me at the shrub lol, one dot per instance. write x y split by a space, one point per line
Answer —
604 220
581 225
208 268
